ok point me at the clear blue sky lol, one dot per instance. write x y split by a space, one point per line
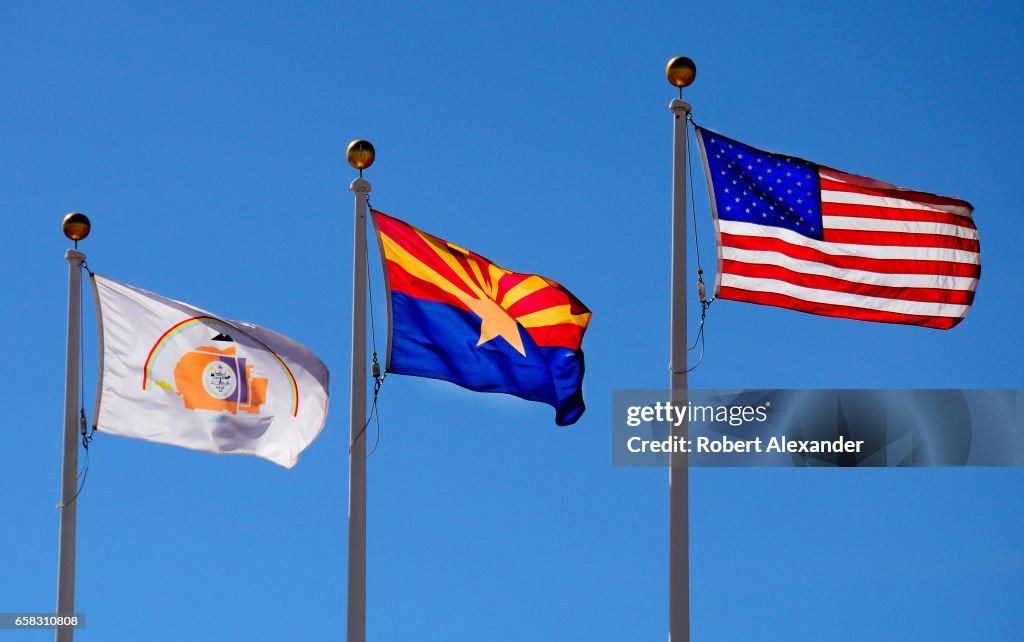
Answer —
538 135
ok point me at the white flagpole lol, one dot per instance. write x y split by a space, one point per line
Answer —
360 156
680 72
76 227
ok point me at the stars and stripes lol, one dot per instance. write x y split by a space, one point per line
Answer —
798 235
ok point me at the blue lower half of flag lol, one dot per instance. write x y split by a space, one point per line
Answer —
439 341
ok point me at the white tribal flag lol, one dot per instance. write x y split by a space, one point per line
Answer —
179 375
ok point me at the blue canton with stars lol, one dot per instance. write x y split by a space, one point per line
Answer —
755 186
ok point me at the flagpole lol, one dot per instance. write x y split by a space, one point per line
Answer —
76 227
680 72
360 155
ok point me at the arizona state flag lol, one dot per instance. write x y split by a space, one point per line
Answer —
457 316
178 375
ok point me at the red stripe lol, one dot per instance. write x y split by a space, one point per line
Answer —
886 266
464 261
903 239
401 281
408 237
931 295
509 281
894 214
542 299
485 273
863 185
565 335
847 312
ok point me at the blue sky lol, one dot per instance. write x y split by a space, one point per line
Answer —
538 135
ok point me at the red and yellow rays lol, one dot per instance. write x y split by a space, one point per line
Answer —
426 267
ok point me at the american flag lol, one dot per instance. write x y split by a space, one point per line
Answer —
799 235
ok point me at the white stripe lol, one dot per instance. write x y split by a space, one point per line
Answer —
829 297
936 281
891 225
741 228
856 198
951 205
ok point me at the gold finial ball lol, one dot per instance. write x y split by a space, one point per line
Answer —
76 226
360 154
680 71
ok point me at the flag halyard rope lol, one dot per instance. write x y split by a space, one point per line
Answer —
705 303
87 435
375 371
